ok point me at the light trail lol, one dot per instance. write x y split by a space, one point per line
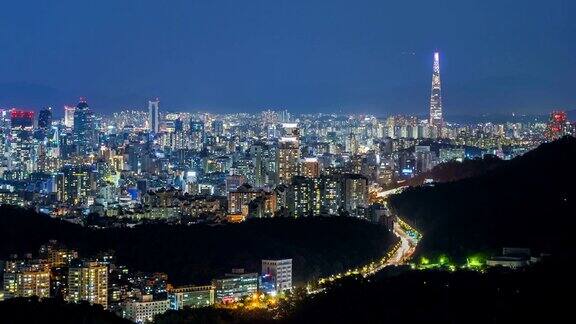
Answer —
398 255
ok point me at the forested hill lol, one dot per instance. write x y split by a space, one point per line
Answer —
454 170
529 201
198 253
32 311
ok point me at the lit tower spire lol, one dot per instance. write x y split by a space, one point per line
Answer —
436 95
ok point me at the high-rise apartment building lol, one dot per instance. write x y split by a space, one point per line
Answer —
57 255
257 152
305 197
310 168
26 278
355 192
240 198
287 157
88 281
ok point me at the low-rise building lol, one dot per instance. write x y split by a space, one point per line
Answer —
144 310
512 258
191 296
235 286
280 272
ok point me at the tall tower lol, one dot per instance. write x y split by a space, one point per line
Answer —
45 118
436 95
86 136
153 116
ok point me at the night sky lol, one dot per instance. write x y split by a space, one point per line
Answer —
372 56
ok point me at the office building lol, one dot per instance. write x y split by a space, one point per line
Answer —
69 116
154 116
45 118
144 310
85 132
235 286
22 160
191 296
280 272
21 119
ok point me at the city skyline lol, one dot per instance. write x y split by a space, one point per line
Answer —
263 55
286 161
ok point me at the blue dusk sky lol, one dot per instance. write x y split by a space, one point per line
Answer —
497 56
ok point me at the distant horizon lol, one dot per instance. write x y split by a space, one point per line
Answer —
59 112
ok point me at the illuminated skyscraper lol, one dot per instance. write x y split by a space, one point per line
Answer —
22 158
69 116
22 119
45 118
84 128
436 118
153 116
